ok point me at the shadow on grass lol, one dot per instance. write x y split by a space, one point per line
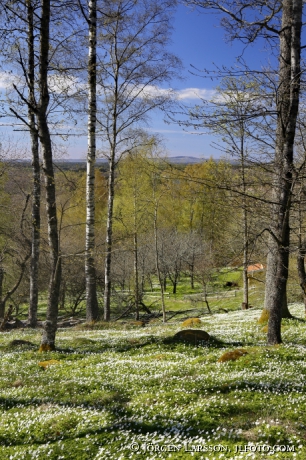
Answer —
124 426
85 346
213 342
295 318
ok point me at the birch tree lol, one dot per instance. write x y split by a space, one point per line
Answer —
135 62
32 316
273 20
92 310
132 212
38 30
50 325
233 115
19 44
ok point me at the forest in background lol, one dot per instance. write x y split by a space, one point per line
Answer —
173 225
104 65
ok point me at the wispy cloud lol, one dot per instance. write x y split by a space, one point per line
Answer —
194 93
181 94
178 131
7 79
71 85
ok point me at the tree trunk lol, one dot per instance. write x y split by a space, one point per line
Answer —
8 295
32 313
2 305
92 309
136 264
136 275
109 233
301 270
245 302
192 276
287 110
205 297
159 274
50 325
111 194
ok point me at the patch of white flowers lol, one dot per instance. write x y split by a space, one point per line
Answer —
127 393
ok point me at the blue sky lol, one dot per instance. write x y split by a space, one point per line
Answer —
199 41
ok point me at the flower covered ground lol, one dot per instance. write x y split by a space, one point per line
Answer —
124 393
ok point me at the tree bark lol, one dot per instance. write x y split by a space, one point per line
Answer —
50 325
8 295
136 271
135 241
32 313
2 306
287 110
159 274
92 309
302 273
245 302
109 233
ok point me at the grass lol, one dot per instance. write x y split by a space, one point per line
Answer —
135 393
220 297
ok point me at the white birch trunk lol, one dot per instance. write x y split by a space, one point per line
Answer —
32 314
92 311
245 303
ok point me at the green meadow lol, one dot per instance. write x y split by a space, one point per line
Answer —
120 391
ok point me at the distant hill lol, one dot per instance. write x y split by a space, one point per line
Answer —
177 160
186 160
80 163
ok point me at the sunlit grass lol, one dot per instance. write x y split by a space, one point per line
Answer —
112 390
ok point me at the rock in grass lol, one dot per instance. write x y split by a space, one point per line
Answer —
232 355
191 322
17 384
46 364
192 335
138 323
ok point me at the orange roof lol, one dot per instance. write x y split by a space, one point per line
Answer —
255 267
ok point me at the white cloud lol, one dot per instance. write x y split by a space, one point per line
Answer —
178 131
65 84
7 80
194 93
181 94
72 85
